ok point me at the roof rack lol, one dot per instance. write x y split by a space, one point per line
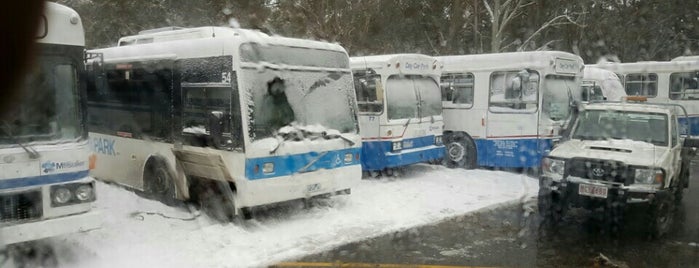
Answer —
162 29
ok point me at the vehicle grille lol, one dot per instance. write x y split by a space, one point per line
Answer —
602 170
20 206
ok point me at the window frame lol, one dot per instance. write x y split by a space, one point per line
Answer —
378 88
446 103
682 92
523 111
644 83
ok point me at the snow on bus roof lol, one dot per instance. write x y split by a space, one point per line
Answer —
649 66
212 32
200 42
596 73
514 60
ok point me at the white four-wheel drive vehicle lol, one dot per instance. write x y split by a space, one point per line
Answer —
618 155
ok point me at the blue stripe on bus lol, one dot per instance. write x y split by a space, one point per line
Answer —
693 124
285 165
512 153
377 155
43 179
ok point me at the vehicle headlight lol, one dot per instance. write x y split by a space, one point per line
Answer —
61 196
268 167
397 145
438 140
348 157
553 168
84 192
648 176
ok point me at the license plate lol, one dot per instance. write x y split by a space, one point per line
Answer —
593 190
313 187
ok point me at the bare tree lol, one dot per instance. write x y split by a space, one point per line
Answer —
501 14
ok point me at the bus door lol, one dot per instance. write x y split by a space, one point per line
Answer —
367 85
208 93
511 125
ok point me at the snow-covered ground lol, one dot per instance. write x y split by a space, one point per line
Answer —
132 237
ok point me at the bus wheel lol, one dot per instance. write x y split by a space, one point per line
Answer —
159 183
460 152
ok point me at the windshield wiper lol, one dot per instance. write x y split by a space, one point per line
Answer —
334 136
33 154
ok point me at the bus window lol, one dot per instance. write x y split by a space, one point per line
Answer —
400 97
457 89
592 92
135 103
367 87
684 86
515 91
641 85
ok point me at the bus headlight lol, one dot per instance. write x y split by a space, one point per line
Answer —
648 176
348 157
397 146
61 196
70 194
438 140
268 167
553 168
84 193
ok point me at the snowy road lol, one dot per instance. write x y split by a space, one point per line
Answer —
132 236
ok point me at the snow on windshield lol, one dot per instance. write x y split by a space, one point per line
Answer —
282 97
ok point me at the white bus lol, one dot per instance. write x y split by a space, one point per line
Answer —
266 119
663 81
601 84
45 188
400 113
505 110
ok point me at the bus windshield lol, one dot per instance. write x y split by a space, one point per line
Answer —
300 98
402 97
48 108
637 126
557 96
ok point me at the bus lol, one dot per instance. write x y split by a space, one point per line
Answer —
45 187
600 84
250 118
400 113
663 81
505 110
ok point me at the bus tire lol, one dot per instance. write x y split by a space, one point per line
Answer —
159 183
460 151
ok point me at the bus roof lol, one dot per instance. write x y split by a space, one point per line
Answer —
61 25
510 60
199 42
398 63
649 66
687 58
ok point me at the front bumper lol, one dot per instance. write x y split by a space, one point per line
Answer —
41 229
568 192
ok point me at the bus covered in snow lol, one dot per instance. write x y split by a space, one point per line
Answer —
600 84
259 119
663 81
45 188
506 109
400 113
